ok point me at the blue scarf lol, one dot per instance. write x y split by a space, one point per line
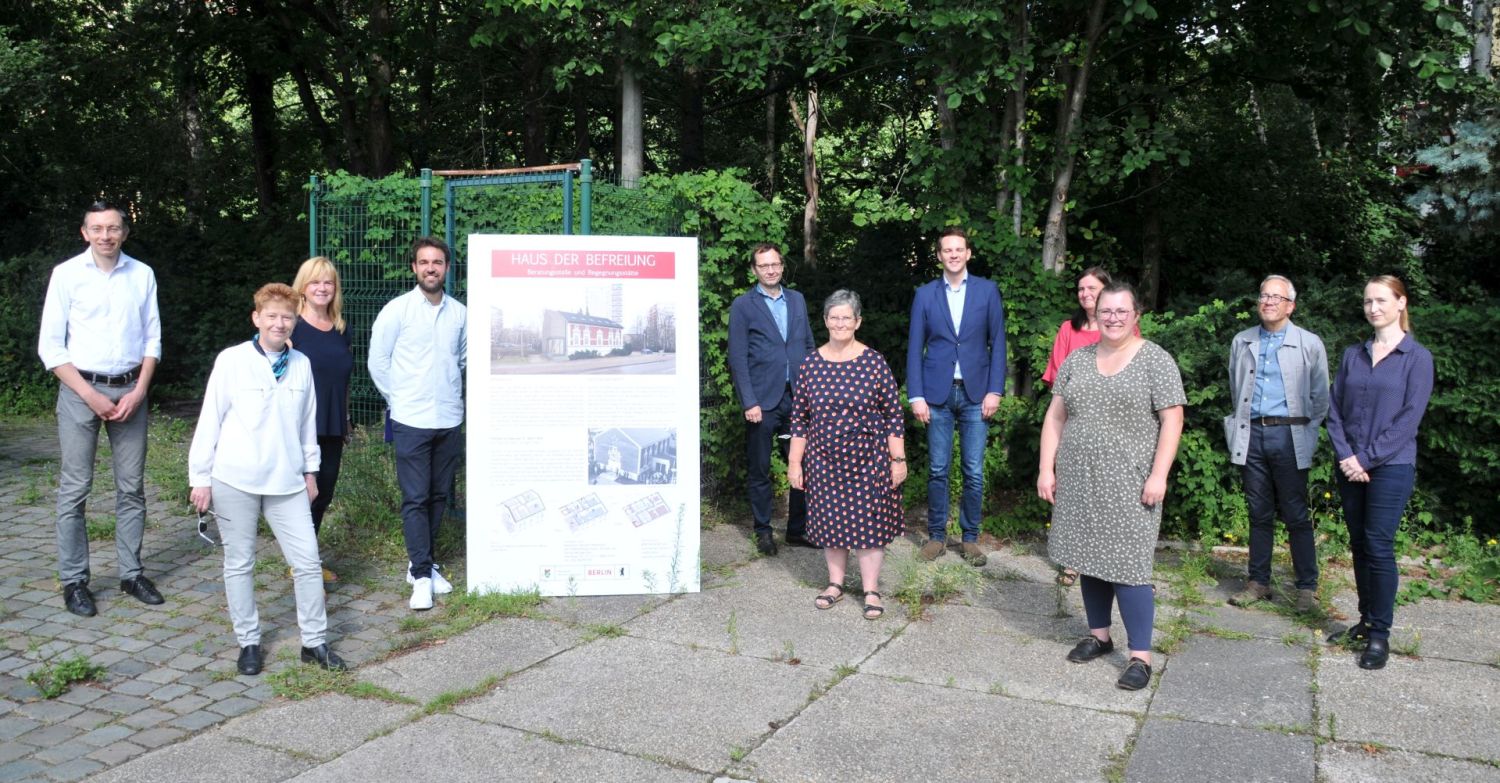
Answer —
278 367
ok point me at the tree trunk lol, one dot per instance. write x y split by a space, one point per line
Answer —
533 93
632 135
809 128
261 103
1151 238
946 128
426 72
326 141
771 146
1054 241
380 130
1013 126
1484 36
582 143
690 112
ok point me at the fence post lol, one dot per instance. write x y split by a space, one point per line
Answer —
312 215
426 202
586 196
567 189
449 227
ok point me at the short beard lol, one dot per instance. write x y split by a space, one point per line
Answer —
434 289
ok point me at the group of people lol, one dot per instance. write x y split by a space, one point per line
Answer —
1109 437
273 425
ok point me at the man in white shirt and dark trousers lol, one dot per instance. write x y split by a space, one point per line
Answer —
418 349
255 452
101 337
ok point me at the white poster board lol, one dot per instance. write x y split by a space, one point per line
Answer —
583 414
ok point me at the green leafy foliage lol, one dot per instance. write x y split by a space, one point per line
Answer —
55 679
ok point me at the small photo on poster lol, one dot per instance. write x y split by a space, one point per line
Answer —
632 455
557 327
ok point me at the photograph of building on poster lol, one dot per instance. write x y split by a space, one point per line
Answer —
633 455
558 327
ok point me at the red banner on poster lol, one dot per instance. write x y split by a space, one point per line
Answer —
617 264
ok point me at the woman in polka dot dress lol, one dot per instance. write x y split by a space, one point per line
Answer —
848 453
1108 441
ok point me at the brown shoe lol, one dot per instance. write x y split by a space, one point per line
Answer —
932 550
1253 592
973 555
1307 600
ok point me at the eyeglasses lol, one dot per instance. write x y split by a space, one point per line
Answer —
1114 315
841 319
769 267
95 231
203 527
1274 299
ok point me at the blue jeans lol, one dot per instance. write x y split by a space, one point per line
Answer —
1372 511
1273 481
973 432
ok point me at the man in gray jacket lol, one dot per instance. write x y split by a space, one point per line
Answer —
1278 373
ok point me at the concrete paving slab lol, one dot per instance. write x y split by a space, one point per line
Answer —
1455 630
1252 683
449 747
463 662
703 704
1008 653
848 735
1018 595
767 615
600 609
1180 751
1260 623
1008 563
1340 762
208 757
322 728
726 545
1430 705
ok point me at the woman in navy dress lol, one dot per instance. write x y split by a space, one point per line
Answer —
848 453
323 337
1377 401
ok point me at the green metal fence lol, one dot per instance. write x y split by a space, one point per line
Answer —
366 228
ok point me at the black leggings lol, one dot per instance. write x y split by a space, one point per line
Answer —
328 476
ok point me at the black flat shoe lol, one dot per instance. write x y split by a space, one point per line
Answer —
142 590
1089 649
250 661
1375 654
796 540
324 657
79 600
1354 633
1136 676
765 544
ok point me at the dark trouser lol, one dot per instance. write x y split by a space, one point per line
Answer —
1372 511
425 463
758 440
328 476
1273 481
1137 608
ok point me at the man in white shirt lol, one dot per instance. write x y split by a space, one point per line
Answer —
418 349
101 337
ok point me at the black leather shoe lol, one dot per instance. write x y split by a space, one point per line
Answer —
325 657
78 599
1090 648
142 589
1354 633
796 540
765 543
1375 654
1136 676
250 660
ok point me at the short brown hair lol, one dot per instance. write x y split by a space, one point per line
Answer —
953 231
272 292
430 241
763 247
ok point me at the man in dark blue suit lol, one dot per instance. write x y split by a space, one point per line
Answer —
955 373
769 335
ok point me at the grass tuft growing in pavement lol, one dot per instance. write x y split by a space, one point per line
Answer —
55 679
445 702
920 584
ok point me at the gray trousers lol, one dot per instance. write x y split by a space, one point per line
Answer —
78 439
290 518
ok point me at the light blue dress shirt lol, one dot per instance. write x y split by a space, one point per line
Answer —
1270 389
777 304
418 352
956 310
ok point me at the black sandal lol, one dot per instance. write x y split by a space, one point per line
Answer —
873 612
825 601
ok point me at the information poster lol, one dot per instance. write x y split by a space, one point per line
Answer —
583 414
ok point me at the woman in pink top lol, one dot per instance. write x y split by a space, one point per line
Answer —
1080 330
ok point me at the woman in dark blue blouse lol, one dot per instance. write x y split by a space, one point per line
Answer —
323 336
1378 399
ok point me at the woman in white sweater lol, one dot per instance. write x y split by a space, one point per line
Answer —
256 452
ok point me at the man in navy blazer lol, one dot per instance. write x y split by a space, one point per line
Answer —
769 336
955 373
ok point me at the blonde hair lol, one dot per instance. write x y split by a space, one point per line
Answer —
1399 289
317 268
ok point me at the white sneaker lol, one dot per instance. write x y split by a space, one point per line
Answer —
440 586
421 594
